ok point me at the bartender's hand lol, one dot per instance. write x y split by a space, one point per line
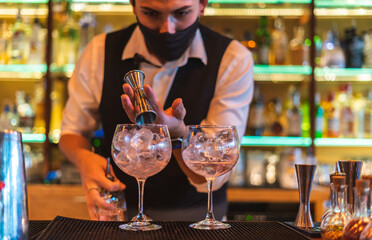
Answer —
93 178
172 117
92 168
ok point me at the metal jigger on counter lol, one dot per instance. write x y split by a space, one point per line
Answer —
117 199
13 195
144 111
305 174
352 170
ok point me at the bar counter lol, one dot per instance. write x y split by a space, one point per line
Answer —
69 228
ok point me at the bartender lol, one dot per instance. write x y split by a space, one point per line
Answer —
197 75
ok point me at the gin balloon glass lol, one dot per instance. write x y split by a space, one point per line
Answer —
141 151
210 151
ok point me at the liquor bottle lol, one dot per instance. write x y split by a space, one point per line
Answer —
18 41
274 122
358 108
67 40
367 49
344 99
367 116
305 112
299 51
249 43
332 225
332 114
279 43
360 218
332 54
25 112
37 41
4 118
256 114
87 29
263 40
319 117
4 43
39 123
293 113
353 48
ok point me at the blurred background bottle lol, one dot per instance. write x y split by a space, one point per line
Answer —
332 54
299 51
293 112
353 46
256 114
279 43
263 40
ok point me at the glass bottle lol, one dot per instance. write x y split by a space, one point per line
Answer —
332 114
353 48
256 118
333 223
37 41
279 43
68 40
367 116
18 41
367 49
298 49
344 100
332 176
332 54
4 43
116 199
87 29
293 113
360 218
319 117
263 40
273 118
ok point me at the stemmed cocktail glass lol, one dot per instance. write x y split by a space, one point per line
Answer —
210 151
141 151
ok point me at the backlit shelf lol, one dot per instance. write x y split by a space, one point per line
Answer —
343 142
275 141
21 72
24 1
33 137
343 3
343 74
281 73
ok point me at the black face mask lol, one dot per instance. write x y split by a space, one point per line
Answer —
169 46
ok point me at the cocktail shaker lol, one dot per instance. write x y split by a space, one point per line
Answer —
305 174
352 170
143 110
13 197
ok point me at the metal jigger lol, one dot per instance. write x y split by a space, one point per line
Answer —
352 170
305 174
144 111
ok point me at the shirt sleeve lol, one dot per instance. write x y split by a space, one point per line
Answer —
80 115
233 95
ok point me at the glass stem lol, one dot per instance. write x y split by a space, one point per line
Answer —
141 187
210 215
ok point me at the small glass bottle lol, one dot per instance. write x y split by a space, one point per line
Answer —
256 114
333 223
263 40
279 43
360 218
116 199
332 176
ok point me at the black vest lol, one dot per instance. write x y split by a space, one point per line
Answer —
195 84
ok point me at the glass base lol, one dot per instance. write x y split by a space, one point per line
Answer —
209 225
139 226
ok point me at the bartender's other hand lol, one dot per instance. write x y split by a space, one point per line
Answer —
92 171
172 117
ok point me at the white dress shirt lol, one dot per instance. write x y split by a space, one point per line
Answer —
229 105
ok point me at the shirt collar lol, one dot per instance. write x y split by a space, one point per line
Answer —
136 44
